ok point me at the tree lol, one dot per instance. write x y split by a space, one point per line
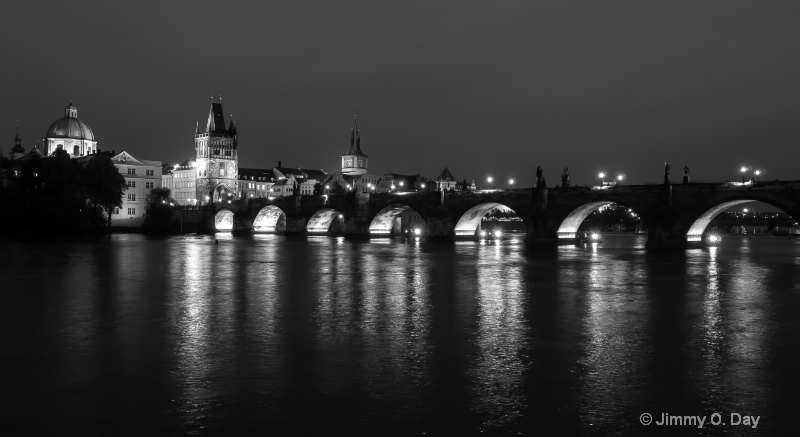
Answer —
104 185
160 212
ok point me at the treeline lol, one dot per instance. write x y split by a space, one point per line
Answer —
61 195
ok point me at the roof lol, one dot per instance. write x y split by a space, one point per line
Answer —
125 158
255 174
355 141
70 127
216 121
446 176
299 173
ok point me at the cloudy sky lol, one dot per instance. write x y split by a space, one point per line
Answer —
485 88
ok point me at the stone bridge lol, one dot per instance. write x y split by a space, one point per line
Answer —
674 215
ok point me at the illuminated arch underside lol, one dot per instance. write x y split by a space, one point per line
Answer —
223 221
699 226
569 227
320 222
384 220
468 223
269 220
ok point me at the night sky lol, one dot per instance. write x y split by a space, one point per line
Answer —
485 88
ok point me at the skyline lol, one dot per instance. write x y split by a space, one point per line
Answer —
485 90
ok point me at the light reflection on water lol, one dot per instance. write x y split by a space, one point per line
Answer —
225 334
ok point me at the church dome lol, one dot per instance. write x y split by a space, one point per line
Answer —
70 127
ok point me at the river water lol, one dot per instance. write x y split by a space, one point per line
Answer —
279 336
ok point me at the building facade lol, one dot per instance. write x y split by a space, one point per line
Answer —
141 176
255 183
217 159
181 180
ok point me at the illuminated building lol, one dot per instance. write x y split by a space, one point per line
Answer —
217 158
70 134
141 176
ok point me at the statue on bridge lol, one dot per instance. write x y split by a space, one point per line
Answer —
540 180
666 173
685 175
565 177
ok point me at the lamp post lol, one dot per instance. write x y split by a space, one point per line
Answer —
743 170
602 176
511 184
756 173
489 179
620 178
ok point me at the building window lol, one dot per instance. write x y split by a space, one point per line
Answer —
149 172
131 184
131 171
116 211
132 197
76 150
148 184
131 211
222 172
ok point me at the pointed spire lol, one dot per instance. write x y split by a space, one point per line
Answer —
197 127
355 140
17 144
232 127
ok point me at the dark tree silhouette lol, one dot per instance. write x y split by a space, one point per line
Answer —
104 185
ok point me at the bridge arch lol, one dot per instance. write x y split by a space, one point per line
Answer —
270 219
321 221
570 225
699 225
223 220
470 221
385 220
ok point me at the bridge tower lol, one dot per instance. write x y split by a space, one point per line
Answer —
217 158
354 162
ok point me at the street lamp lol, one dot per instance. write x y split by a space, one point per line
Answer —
620 178
757 173
490 181
602 176
743 170
511 183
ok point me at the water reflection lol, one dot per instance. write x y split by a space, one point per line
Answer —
226 334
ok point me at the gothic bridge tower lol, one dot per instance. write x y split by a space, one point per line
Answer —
217 158
354 162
